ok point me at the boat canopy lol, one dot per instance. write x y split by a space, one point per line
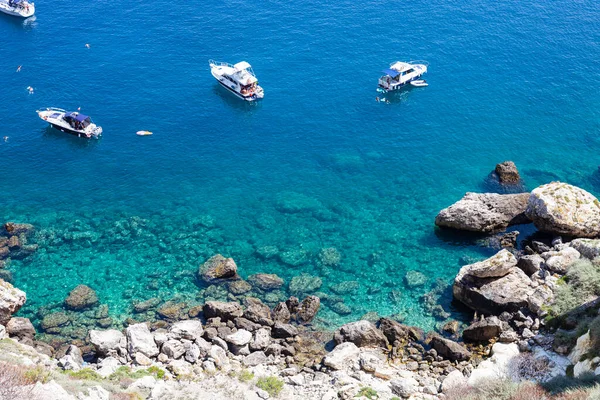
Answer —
71 117
242 65
401 66
391 72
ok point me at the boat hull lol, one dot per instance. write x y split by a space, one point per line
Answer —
231 88
70 131
21 13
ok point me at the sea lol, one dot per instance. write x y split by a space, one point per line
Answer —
318 183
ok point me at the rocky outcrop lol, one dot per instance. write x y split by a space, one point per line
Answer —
507 173
341 355
449 349
107 341
361 333
560 261
492 294
563 209
484 212
81 297
530 264
483 331
217 268
395 331
11 301
308 309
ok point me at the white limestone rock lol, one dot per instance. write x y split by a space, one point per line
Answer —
106 341
341 355
139 339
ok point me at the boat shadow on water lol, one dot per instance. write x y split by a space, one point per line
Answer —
397 96
51 134
232 101
17 22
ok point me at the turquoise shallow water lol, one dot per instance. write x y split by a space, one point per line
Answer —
317 164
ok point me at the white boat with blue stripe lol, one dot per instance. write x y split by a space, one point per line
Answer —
18 8
238 78
400 74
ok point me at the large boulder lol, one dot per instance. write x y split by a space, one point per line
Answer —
362 333
530 264
107 341
257 311
341 356
225 311
81 297
496 266
507 173
563 209
21 328
11 301
560 261
483 331
492 295
484 212
217 268
139 339
449 349
190 329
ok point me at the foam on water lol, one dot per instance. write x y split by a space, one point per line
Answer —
318 164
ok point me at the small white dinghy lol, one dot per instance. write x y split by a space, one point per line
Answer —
18 8
419 83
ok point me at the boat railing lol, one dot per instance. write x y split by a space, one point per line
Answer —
220 63
53 109
425 63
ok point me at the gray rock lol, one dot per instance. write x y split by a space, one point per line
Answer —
361 333
394 331
542 295
180 368
303 284
11 301
244 323
341 356
239 338
106 341
219 357
262 339
404 387
139 339
254 359
346 287
530 264
282 331
189 329
415 278
192 352
493 295
217 268
588 248
173 349
560 261
453 380
20 328
308 309
496 266
81 297
563 209
257 311
484 212
449 349
281 313
225 311
483 331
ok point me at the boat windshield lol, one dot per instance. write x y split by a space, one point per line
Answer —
77 121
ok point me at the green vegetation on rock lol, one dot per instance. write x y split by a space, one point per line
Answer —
270 384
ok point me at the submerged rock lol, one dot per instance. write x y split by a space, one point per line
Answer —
218 267
239 287
302 284
563 209
330 257
485 212
11 301
54 320
81 297
415 278
346 287
361 333
265 281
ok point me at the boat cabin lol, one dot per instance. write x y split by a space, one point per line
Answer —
77 121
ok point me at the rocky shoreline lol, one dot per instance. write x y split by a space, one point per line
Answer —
245 348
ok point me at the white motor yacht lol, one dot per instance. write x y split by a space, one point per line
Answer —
18 8
239 79
74 123
399 74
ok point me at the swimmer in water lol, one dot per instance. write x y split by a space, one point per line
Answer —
5 138
19 68
30 89
377 99
87 45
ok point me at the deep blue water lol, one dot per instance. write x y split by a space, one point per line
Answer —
133 217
